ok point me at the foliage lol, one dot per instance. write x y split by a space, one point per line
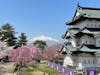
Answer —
29 73
4 48
22 40
40 44
24 54
21 55
37 54
43 68
51 52
8 34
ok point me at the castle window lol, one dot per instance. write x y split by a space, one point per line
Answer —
90 42
86 42
84 62
87 25
93 61
99 25
74 60
95 25
91 25
88 61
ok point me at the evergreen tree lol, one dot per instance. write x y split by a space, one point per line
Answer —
22 39
8 34
40 44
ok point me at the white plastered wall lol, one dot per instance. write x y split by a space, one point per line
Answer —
88 23
87 40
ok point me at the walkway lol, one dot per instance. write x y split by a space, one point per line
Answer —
5 69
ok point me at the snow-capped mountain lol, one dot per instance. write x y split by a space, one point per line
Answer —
49 40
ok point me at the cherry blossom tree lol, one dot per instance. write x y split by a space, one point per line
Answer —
24 54
4 50
51 52
37 53
21 55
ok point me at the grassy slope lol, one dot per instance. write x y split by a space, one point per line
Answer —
40 69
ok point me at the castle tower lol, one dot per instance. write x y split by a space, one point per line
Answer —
83 39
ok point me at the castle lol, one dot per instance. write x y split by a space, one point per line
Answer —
82 44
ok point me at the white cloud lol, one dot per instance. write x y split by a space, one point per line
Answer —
44 38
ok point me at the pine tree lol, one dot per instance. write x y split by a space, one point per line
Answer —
22 39
8 34
40 44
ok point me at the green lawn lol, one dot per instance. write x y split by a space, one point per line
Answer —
40 69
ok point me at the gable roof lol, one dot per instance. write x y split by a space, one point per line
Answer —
69 32
85 13
67 48
87 32
80 32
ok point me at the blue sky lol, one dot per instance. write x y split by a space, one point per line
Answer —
40 17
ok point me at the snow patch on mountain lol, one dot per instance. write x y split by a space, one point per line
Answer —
49 40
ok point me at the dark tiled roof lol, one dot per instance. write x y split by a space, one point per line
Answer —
85 13
88 31
80 32
70 30
92 47
93 29
88 8
81 49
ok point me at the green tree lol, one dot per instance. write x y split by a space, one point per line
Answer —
8 34
22 39
40 44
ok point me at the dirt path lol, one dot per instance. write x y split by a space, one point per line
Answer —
5 69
